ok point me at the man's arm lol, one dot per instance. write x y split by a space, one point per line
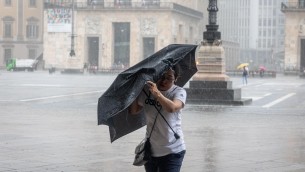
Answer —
134 108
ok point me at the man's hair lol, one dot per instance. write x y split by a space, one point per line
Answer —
176 70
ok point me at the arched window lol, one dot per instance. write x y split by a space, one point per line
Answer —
32 28
8 26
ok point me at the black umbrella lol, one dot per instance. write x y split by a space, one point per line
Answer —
112 105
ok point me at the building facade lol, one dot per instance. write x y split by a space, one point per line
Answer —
111 34
294 11
258 27
20 29
232 54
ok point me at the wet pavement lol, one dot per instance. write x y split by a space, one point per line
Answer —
49 123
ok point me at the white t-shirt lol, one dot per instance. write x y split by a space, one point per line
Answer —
163 141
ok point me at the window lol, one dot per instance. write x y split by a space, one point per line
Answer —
121 43
8 3
260 22
123 2
95 2
150 2
7 54
282 42
191 37
32 31
274 12
7 27
260 32
32 28
32 3
7 30
302 3
180 33
148 46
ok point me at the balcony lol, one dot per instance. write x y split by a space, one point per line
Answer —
293 6
130 6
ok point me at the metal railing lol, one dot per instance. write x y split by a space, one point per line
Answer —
133 6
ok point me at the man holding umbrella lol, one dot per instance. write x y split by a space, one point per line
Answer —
162 103
152 89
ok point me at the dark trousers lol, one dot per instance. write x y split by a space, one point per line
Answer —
168 163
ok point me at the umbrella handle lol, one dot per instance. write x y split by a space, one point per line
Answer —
177 136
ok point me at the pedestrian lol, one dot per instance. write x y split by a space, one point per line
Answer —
261 73
167 150
85 67
245 75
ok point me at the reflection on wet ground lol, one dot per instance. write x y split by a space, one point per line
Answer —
240 139
206 108
60 132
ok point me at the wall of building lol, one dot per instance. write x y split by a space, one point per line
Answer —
257 26
295 31
294 12
166 26
19 44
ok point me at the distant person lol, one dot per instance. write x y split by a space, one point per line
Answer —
245 75
85 67
261 73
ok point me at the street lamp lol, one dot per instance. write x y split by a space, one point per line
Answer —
212 34
72 51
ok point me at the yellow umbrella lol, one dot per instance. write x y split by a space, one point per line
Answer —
242 65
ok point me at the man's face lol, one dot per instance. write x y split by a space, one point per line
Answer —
166 81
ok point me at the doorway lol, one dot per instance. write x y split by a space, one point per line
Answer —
302 59
121 44
148 46
93 51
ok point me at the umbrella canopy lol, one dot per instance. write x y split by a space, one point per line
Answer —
242 65
112 105
262 68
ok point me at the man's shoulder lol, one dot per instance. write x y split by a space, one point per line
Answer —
178 88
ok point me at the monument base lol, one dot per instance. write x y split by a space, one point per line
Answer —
211 77
214 93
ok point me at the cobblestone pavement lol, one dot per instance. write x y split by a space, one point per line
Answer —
47 125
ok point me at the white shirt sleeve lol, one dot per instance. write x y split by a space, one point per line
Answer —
180 94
